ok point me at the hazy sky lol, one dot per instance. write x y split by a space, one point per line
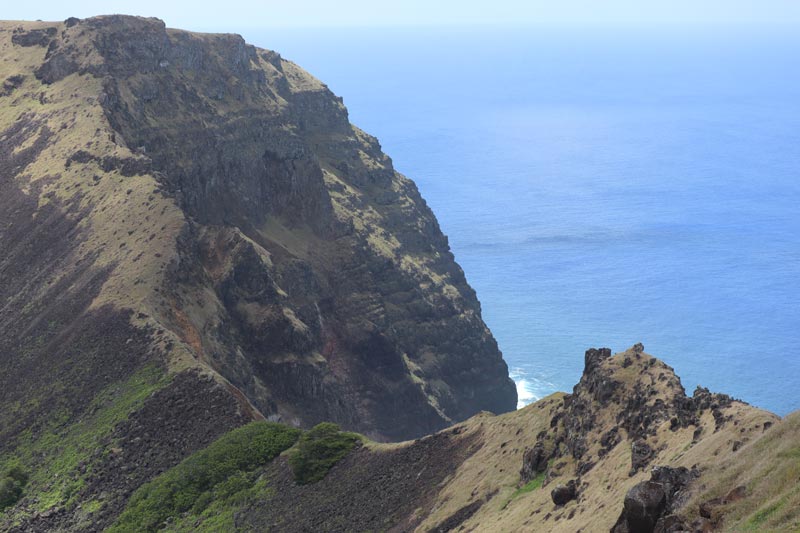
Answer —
203 14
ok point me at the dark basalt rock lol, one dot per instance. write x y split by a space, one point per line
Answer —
641 455
534 462
640 417
584 467
644 505
649 505
458 518
711 509
595 381
127 166
38 37
563 494
578 415
10 84
609 440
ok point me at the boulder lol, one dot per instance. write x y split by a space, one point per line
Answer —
534 462
644 505
649 506
564 493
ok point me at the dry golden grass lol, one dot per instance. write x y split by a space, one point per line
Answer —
492 473
769 468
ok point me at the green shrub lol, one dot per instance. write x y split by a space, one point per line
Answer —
318 450
190 485
531 485
12 481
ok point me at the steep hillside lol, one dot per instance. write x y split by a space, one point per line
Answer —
627 451
204 265
193 237
209 204
628 426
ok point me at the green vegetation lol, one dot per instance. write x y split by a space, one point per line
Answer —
12 481
214 510
761 516
318 450
222 472
530 486
60 457
203 492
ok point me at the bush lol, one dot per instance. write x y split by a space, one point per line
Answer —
318 450
189 485
12 481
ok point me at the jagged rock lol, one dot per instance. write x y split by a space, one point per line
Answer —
641 455
35 37
644 505
584 467
563 494
649 502
534 462
711 508
594 357
609 440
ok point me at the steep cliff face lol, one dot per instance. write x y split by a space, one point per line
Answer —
194 237
216 193
191 224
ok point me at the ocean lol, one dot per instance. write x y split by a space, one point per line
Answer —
600 188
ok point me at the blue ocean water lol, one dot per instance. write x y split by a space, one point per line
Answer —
600 188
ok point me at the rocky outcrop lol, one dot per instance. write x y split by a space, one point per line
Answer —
628 413
649 505
534 462
638 409
465 478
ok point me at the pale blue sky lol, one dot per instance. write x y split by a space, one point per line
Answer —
202 14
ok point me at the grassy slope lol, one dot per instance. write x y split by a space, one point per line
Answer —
769 469
206 491
59 460
492 473
485 486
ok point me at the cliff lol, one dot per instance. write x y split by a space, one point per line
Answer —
200 255
192 202
193 237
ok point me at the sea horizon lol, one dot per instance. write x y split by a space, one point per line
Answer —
599 188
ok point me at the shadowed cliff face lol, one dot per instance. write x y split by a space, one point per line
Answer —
192 237
234 208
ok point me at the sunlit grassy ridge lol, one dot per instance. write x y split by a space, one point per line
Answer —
769 470
318 450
